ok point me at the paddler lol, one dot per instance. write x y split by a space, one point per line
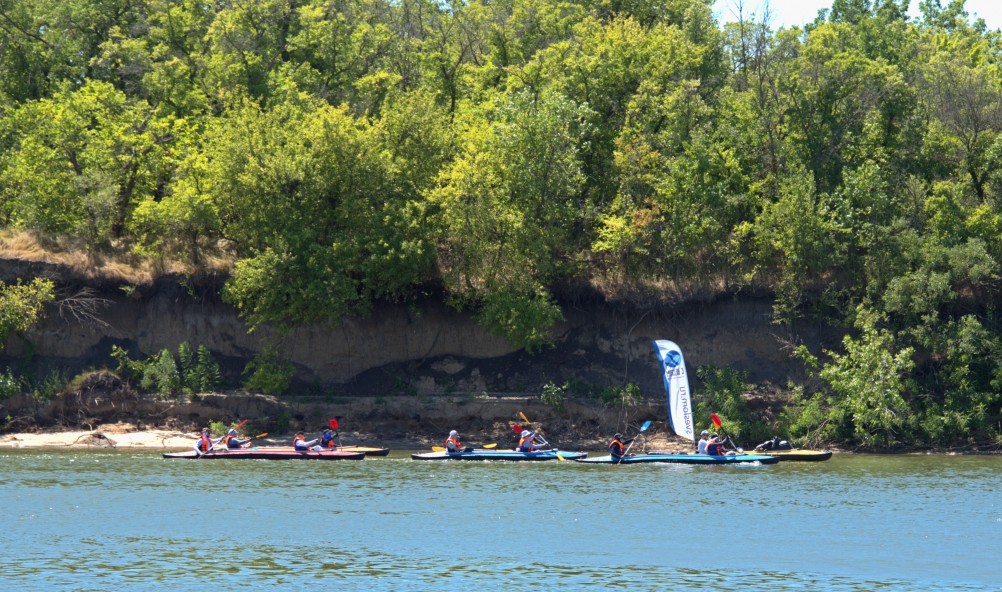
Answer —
704 439
233 442
527 442
616 447
452 443
300 444
715 447
204 443
327 440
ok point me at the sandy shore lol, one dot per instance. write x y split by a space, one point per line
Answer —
125 435
119 435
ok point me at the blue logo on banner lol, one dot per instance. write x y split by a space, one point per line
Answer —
673 358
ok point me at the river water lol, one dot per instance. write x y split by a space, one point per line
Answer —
116 521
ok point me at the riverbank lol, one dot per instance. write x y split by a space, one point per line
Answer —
123 435
102 418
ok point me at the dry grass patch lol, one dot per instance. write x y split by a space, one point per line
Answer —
118 263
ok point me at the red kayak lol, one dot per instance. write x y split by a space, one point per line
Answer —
268 453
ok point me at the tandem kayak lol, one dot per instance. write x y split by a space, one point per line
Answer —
268 453
797 454
688 459
488 454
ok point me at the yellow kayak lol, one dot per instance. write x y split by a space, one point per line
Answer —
796 454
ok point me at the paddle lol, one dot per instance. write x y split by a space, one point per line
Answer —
333 423
256 437
237 427
643 429
716 423
541 437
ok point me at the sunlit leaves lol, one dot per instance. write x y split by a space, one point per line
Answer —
81 161
22 305
509 202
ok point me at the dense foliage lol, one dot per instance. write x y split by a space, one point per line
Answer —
344 152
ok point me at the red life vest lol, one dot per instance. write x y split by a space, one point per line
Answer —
204 442
228 438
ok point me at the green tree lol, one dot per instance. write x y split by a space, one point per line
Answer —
81 160
508 205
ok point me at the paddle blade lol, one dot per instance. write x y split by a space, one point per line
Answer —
715 419
438 448
491 445
560 457
516 428
646 425
261 435
333 424
524 418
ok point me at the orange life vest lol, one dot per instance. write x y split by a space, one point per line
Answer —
456 446
204 442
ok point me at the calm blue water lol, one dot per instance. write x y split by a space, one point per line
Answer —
133 521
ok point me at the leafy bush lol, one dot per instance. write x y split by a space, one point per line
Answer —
626 396
160 374
197 371
268 373
722 394
553 395
10 385
49 386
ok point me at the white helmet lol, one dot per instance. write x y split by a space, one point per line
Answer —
453 433
232 432
525 433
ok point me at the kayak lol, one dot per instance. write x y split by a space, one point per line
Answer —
490 454
367 450
688 459
798 454
269 453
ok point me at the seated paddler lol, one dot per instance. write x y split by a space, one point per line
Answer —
617 448
301 444
233 442
204 443
327 440
452 443
527 442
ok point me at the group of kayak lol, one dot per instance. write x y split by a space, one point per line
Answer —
532 446
327 447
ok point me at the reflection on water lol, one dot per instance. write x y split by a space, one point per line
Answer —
127 521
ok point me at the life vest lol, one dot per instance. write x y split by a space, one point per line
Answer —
715 449
616 448
204 443
229 439
452 444
327 443
299 442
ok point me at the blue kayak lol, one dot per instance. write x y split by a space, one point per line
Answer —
488 454
688 459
